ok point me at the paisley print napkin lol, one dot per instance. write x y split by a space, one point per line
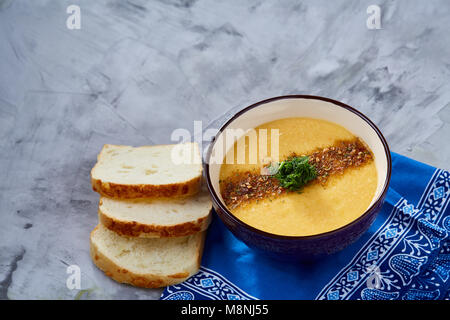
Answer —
404 255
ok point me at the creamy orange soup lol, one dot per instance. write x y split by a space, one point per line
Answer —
317 208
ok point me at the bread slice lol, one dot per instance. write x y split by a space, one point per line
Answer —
151 218
148 263
147 172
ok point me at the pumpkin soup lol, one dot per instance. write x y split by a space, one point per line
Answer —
325 178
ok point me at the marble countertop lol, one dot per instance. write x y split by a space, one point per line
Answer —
137 70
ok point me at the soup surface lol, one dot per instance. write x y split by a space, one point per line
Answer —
327 203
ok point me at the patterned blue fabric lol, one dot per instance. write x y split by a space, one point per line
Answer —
404 255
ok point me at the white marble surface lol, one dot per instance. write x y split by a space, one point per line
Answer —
137 70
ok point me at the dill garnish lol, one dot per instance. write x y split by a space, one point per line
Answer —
295 172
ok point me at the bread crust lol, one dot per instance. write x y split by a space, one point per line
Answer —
136 229
123 275
136 191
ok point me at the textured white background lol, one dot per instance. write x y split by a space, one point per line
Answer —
139 69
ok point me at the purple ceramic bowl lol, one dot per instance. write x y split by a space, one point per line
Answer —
302 247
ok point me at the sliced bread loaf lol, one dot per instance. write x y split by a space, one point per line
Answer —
147 172
156 217
149 263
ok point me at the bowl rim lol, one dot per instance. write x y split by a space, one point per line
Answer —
230 215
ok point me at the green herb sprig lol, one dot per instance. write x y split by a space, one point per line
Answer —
295 172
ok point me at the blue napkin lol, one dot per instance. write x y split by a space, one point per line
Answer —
404 255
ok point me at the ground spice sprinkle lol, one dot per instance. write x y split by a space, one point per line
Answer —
243 187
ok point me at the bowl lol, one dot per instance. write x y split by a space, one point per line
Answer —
312 246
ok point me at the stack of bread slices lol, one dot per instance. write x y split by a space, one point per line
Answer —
153 213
